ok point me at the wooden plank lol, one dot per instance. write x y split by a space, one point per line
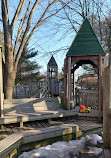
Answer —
43 124
39 125
9 131
15 130
1 84
4 135
9 143
29 126
50 132
21 129
33 124
48 125
69 83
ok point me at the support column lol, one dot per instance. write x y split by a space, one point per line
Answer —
73 85
69 83
1 84
100 87
65 83
107 108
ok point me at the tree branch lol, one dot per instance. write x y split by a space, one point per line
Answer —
25 33
70 21
82 9
1 20
17 13
5 23
5 13
74 9
21 29
41 20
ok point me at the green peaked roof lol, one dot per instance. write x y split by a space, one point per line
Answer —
85 42
52 62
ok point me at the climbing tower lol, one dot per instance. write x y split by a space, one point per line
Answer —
52 77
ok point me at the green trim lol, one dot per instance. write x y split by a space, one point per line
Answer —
85 42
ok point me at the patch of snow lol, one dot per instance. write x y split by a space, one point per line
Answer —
69 149
91 152
93 139
57 150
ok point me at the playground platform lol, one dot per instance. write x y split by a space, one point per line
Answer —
15 117
33 109
39 117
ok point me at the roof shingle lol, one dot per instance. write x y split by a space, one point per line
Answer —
85 42
52 62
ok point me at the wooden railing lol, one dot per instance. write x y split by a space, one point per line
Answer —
21 91
33 90
38 89
89 98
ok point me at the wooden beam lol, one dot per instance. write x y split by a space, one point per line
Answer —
1 84
100 87
73 85
106 107
69 83
65 82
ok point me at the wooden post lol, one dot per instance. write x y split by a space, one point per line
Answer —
69 83
73 85
21 124
15 91
65 83
100 86
1 84
87 82
107 107
81 83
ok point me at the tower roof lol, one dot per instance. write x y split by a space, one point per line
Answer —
85 42
52 62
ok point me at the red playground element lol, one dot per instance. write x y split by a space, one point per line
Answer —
82 107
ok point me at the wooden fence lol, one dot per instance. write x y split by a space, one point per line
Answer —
38 89
21 91
27 91
89 98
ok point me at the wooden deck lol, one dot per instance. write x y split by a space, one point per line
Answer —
84 126
16 143
19 122
24 116
94 113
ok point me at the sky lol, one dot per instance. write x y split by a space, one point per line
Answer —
49 46
46 41
54 34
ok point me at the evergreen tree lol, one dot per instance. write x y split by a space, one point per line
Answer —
28 69
89 69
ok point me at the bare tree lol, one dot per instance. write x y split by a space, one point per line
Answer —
27 17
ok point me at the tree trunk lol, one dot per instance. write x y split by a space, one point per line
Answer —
9 74
9 82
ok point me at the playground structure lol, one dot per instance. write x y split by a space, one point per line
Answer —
52 77
41 89
85 49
